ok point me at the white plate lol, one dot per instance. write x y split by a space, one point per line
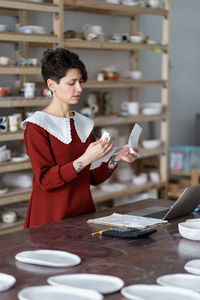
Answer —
52 258
101 283
6 281
152 292
193 266
187 281
46 292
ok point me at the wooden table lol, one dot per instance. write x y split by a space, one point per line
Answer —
135 261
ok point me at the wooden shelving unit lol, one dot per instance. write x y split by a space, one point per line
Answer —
57 9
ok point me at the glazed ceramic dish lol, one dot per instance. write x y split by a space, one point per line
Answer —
193 266
187 281
6 281
101 283
46 292
52 258
152 292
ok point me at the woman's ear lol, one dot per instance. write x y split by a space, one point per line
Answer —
51 85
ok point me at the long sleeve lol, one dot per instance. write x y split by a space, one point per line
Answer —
49 175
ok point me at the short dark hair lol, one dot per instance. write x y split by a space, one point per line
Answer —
56 63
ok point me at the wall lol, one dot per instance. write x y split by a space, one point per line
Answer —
185 71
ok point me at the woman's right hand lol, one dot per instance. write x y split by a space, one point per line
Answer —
97 150
94 151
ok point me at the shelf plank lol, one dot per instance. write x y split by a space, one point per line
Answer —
110 9
11 136
11 166
20 70
33 6
6 228
123 83
118 120
100 195
21 37
153 152
9 12
112 46
15 195
22 102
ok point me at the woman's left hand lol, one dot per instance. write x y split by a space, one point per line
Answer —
126 155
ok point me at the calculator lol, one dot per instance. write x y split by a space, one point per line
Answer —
127 233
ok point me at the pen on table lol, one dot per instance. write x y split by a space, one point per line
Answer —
100 232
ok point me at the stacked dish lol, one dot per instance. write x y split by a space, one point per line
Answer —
152 108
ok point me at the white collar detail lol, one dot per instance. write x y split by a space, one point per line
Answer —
60 127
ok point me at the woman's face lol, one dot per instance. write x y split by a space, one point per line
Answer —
69 89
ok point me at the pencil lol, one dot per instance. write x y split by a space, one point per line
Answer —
100 232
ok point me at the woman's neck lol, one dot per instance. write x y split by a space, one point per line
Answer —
62 110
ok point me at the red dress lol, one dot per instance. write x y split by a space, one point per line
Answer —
58 192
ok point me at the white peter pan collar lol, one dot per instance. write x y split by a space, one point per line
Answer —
60 127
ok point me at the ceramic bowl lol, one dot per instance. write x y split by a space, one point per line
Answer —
136 74
152 108
190 230
28 29
113 1
151 144
154 3
4 60
3 27
136 38
9 217
140 179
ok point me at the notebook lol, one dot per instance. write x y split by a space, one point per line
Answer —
185 204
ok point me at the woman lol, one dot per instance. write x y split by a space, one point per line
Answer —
61 146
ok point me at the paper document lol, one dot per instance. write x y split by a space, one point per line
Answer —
120 220
132 142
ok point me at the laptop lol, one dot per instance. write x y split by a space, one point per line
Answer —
184 205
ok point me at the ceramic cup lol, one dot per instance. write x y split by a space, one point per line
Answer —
3 124
29 89
15 122
131 107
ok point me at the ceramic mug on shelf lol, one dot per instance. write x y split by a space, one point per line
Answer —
29 89
3 124
15 122
131 107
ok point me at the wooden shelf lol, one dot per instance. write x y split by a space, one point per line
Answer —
20 70
122 83
15 195
11 166
21 37
100 195
11 136
6 228
22 102
33 6
111 9
96 45
117 120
